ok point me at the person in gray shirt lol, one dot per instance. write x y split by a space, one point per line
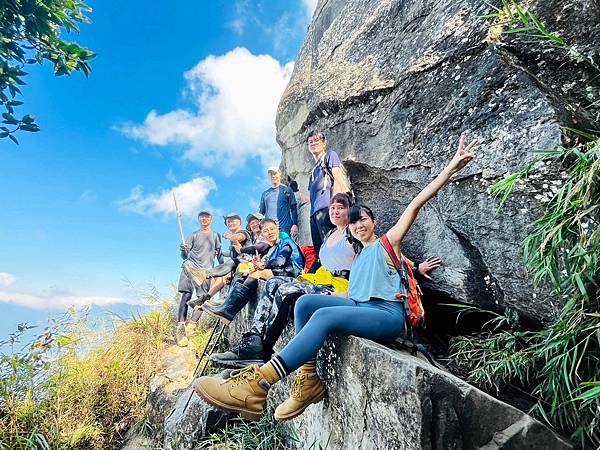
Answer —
199 251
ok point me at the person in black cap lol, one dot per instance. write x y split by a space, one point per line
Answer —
199 251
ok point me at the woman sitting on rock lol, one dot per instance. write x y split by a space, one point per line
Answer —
274 307
276 304
372 311
282 257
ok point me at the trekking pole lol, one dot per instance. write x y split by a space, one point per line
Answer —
179 219
216 341
187 403
206 347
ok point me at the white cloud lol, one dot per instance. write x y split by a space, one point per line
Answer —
242 14
6 279
191 197
88 196
61 301
235 99
310 6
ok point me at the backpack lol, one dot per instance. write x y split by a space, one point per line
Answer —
344 181
413 297
297 259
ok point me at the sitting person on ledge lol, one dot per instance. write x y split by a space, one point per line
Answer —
373 310
277 302
253 226
281 292
282 258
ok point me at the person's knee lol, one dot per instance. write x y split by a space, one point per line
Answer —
304 305
325 319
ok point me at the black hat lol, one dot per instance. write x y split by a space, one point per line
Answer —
232 215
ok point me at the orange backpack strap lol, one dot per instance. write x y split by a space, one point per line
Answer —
390 251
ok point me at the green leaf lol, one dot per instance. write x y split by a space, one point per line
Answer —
9 119
32 128
4 134
29 118
12 138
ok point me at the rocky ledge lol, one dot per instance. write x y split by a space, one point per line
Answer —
378 398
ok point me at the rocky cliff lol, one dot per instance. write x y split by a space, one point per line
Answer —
393 84
378 398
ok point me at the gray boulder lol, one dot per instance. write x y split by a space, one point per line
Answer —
393 84
383 398
379 398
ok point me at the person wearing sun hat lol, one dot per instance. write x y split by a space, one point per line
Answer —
253 221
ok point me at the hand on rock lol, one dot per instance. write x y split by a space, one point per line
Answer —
428 265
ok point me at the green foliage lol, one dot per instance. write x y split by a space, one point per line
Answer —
558 365
265 434
30 32
76 388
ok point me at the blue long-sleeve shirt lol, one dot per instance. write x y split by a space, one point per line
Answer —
280 205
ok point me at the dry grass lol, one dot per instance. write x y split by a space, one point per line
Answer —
55 395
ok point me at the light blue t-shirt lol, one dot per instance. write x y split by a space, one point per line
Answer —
372 278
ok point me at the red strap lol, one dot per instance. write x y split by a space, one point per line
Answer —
388 247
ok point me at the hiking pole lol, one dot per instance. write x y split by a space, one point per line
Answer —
179 219
206 347
187 403
216 341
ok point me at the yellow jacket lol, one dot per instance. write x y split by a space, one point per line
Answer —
325 278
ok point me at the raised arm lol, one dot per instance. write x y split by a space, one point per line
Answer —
462 157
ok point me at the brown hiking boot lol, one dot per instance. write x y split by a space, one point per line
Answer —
244 392
306 390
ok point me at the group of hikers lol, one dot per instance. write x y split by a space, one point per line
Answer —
356 284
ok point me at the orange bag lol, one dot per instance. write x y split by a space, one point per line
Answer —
413 298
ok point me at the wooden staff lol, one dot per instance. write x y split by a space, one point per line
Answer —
179 220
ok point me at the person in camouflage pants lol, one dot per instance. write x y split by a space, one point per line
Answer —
270 318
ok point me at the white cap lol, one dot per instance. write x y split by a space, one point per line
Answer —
273 169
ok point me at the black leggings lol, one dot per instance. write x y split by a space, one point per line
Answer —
320 225
183 307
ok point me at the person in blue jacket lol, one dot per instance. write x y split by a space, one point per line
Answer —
278 203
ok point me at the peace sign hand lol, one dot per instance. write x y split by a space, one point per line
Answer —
463 155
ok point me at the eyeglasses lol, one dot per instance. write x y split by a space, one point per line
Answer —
315 141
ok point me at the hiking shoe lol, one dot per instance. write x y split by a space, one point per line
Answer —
180 335
197 274
198 301
306 390
244 392
237 298
248 350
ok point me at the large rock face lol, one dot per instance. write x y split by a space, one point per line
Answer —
378 398
393 84
382 398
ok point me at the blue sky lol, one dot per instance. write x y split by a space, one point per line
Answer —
182 97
